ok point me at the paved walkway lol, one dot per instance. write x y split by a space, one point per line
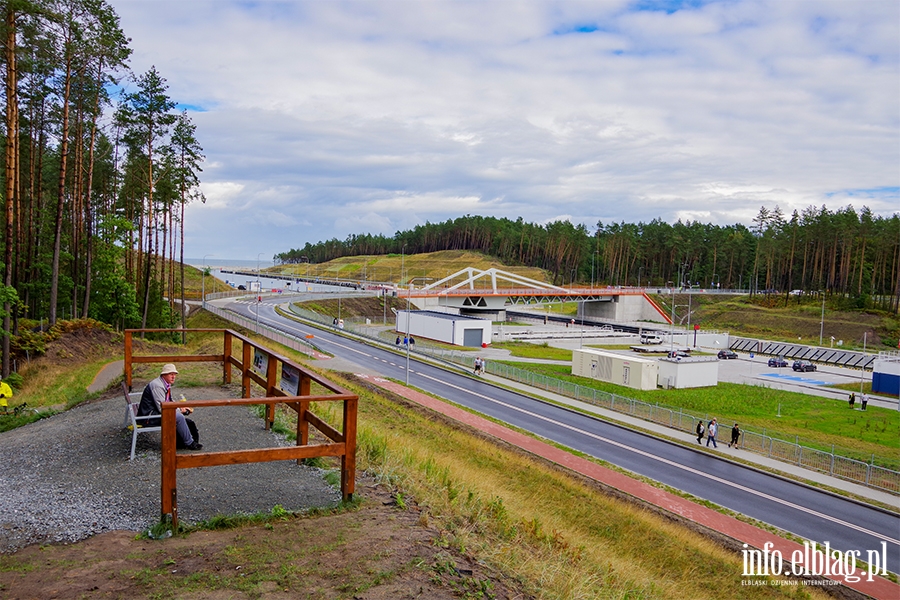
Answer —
106 376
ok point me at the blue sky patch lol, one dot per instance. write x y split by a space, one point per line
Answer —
668 6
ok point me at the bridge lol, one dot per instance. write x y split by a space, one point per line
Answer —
486 293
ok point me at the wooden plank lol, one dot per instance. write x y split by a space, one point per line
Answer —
239 457
326 429
179 358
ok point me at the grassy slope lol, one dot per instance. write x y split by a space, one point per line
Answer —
387 267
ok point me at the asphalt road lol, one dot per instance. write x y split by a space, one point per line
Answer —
807 512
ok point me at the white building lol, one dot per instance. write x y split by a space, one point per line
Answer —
612 367
458 330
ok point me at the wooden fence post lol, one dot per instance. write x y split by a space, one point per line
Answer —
226 364
168 489
128 367
246 365
348 460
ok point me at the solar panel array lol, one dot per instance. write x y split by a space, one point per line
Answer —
828 356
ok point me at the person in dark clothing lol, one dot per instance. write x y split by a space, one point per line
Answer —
735 436
160 390
700 431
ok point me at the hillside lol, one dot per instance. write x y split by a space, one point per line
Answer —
417 268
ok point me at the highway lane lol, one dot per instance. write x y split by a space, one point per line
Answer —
804 511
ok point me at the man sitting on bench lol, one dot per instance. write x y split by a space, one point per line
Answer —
160 390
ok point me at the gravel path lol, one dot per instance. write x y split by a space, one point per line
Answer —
68 477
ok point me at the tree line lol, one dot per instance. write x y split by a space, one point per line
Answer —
850 253
96 177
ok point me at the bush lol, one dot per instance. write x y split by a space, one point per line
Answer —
15 381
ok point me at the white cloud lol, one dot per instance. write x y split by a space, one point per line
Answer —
324 119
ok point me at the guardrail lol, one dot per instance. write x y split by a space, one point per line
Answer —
256 364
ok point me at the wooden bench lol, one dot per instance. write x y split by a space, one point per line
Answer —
133 422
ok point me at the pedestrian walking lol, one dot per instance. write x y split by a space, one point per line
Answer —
700 431
735 436
477 365
711 431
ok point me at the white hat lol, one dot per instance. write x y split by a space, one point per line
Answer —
168 368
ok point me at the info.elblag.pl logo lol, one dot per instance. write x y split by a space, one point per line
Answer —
816 561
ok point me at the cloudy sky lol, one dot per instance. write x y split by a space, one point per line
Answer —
321 119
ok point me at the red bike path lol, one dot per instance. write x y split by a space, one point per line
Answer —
757 538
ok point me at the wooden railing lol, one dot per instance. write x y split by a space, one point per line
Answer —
342 443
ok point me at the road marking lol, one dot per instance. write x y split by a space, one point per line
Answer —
671 463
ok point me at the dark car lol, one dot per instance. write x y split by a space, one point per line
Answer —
803 365
778 362
726 354
241 287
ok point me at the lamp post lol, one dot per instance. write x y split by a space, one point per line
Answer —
258 291
408 336
203 282
672 325
581 342
402 259
822 322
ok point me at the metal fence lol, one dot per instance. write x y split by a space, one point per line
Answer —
764 443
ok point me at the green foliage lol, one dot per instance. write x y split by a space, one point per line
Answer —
113 298
14 380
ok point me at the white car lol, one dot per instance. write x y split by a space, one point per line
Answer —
649 338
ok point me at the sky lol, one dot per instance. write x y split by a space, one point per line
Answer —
322 119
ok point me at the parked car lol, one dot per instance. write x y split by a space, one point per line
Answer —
649 338
727 354
803 365
778 361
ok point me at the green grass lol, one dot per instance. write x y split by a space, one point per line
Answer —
529 350
816 420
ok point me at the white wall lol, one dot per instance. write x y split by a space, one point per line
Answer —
697 371
611 367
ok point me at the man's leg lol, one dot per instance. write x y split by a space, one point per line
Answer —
184 433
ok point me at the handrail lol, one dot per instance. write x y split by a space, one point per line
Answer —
254 357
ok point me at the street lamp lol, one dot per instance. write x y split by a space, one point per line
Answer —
258 291
822 322
402 259
203 282
672 325
408 335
